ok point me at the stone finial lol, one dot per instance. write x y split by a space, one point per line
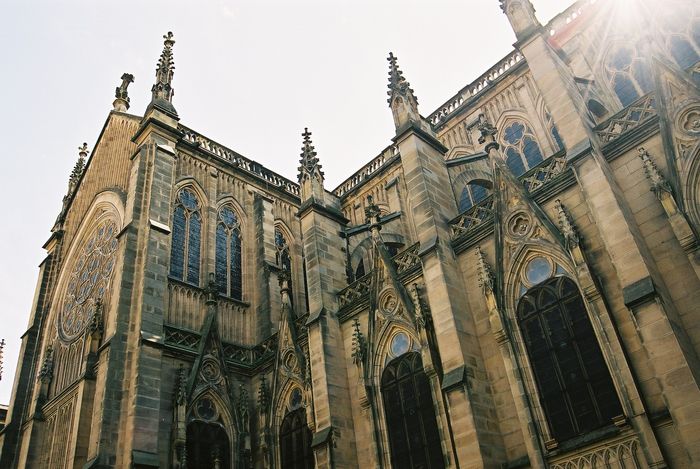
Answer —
566 226
283 278
659 184
484 272
121 95
488 132
181 386
162 91
359 344
46 371
78 169
521 15
309 167
263 396
242 400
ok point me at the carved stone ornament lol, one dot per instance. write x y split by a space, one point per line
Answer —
690 121
519 224
389 303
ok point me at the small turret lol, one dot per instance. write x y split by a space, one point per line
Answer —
521 15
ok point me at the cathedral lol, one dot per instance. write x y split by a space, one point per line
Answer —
514 282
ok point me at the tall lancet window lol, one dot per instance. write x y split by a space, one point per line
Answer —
520 147
186 237
574 383
295 436
228 253
284 260
414 440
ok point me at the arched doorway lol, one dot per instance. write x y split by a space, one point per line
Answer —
574 383
414 439
295 441
207 446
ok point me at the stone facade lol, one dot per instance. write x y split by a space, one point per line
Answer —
193 303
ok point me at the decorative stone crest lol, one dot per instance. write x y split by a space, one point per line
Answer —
690 121
487 131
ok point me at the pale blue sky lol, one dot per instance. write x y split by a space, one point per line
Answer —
249 74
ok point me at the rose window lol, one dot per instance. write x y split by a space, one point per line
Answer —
88 281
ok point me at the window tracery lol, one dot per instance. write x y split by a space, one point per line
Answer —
283 257
520 147
628 73
228 262
472 194
89 278
295 441
186 237
575 386
414 439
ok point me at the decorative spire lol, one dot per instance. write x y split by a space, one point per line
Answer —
242 400
359 344
309 167
566 226
162 91
659 184
402 100
484 272
263 396
46 371
181 386
121 103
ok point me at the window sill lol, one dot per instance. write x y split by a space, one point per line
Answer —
225 298
587 439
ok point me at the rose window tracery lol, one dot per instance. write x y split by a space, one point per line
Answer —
88 281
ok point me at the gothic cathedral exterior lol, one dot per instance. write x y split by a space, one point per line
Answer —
513 282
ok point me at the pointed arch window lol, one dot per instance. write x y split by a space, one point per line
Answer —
628 74
228 253
573 381
554 132
284 260
472 194
186 237
295 441
521 149
414 439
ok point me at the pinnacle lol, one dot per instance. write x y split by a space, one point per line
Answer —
309 161
397 82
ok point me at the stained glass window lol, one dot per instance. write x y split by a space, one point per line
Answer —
228 266
628 74
521 148
186 237
414 439
554 132
574 383
472 194
284 260
295 441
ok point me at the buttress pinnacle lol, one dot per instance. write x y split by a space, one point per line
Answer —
309 167
162 91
